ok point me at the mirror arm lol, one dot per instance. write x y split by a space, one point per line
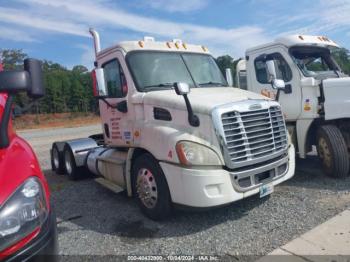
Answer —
192 118
4 136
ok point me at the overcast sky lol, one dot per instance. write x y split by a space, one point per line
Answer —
57 30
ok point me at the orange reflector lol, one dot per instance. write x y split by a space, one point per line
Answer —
168 44
141 44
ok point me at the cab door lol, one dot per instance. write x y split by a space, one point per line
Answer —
114 108
259 82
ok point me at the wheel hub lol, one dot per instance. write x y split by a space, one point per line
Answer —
147 188
324 152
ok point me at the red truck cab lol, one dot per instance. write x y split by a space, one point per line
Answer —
27 218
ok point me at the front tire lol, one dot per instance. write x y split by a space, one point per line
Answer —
333 151
150 187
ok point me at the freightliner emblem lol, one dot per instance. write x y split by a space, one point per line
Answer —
255 107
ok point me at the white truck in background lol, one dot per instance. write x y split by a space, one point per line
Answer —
314 93
174 132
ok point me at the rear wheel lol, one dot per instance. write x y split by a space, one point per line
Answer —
333 151
150 188
57 162
71 168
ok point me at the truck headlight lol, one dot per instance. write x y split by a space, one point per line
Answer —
190 154
23 213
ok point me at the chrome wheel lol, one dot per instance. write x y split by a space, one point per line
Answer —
324 152
146 188
56 160
68 162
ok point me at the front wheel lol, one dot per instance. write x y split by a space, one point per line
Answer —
333 151
150 187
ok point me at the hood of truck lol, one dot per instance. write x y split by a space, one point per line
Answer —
203 100
337 98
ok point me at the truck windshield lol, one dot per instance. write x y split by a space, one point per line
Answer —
315 62
154 70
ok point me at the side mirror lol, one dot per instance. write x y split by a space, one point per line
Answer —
14 81
98 81
278 84
34 68
182 88
30 80
271 70
229 78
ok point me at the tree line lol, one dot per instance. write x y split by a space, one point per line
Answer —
70 90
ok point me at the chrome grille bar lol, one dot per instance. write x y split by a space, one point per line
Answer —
249 135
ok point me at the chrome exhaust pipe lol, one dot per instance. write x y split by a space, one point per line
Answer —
96 37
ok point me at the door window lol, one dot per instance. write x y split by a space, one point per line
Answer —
114 79
283 70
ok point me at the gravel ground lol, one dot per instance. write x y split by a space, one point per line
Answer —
95 221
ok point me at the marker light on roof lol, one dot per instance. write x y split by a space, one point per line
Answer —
301 37
204 49
141 44
184 45
177 45
168 44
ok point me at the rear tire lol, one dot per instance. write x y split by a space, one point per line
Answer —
57 161
150 187
333 151
71 168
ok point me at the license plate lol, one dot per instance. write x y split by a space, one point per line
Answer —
266 190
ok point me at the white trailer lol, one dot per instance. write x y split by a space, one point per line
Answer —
175 133
314 93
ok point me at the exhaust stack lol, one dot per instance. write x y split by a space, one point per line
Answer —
96 38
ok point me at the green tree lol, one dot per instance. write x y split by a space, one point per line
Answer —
12 58
342 56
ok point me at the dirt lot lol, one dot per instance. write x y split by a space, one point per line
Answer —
95 221
41 121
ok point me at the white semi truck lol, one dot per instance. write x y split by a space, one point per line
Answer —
300 72
165 145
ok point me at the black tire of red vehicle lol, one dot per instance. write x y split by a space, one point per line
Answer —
163 206
57 161
333 151
72 171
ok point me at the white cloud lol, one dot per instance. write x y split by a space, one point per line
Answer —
87 57
101 14
18 17
178 5
15 35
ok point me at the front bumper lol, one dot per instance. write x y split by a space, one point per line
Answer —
211 187
42 248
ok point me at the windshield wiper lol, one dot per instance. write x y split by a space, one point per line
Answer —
212 84
158 86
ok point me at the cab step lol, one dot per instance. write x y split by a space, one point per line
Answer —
108 184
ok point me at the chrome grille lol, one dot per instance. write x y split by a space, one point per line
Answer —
254 134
